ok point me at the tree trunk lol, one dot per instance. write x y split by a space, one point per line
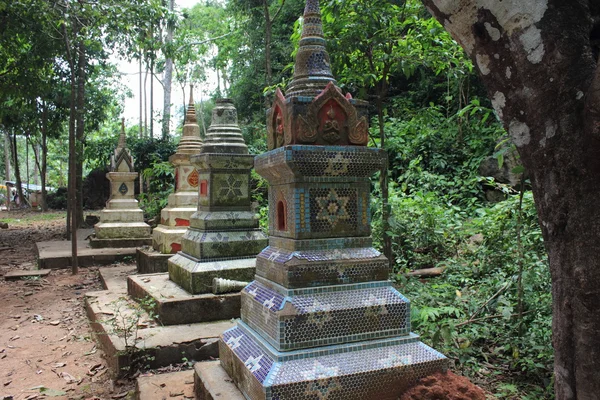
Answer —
539 63
44 155
268 35
141 112
152 97
167 79
384 185
146 103
7 155
71 207
15 155
80 131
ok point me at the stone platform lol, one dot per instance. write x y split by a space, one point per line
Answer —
156 346
173 305
56 254
117 243
150 261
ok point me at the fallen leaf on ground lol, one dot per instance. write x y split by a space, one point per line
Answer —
58 365
120 395
7 383
55 322
14 338
68 377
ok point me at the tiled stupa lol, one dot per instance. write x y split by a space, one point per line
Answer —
321 320
223 238
122 221
175 218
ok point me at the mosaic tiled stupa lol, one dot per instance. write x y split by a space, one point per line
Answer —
175 218
122 221
321 320
223 237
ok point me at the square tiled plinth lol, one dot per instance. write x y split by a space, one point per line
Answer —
196 276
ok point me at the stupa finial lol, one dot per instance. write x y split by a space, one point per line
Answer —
224 134
190 142
312 71
122 144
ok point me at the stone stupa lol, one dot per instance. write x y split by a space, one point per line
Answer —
122 221
321 320
175 217
219 248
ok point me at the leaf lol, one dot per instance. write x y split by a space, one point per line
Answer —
519 169
51 392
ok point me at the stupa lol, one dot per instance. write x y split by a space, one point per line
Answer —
219 248
122 221
175 218
321 320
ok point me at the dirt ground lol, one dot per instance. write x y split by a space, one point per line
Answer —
46 348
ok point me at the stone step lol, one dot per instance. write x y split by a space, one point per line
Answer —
115 278
332 315
174 306
178 385
150 261
131 338
211 382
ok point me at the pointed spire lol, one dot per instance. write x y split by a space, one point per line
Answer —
312 71
190 142
122 144
224 134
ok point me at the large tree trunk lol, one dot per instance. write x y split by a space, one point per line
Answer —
167 79
538 61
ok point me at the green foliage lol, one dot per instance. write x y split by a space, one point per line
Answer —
470 313
161 176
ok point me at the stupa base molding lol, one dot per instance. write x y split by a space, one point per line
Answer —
150 261
175 306
196 276
374 369
96 243
167 239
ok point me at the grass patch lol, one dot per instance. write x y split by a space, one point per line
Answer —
20 218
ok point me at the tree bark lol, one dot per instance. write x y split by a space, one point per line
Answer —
539 63
167 79
141 113
15 155
7 156
80 131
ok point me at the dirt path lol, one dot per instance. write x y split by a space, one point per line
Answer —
46 349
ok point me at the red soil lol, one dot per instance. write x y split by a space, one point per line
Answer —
444 386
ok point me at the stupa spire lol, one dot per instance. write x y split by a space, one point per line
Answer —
122 143
190 142
312 71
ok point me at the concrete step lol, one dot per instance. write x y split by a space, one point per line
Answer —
131 338
211 382
178 385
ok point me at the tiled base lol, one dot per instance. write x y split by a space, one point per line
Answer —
376 369
150 261
175 306
196 276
